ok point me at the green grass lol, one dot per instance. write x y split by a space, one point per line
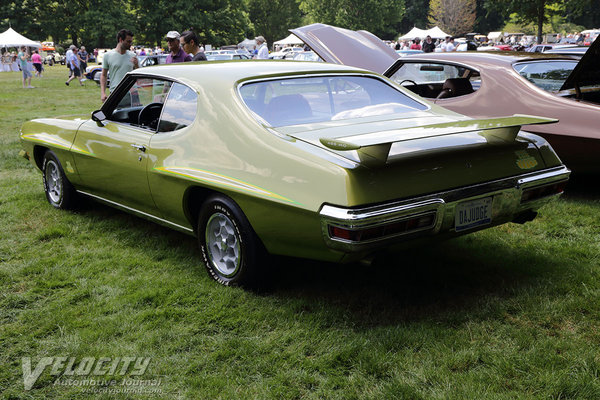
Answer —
508 313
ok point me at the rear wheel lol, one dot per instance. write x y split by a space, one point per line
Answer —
59 191
231 251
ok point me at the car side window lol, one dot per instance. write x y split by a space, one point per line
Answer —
427 79
180 108
547 75
142 103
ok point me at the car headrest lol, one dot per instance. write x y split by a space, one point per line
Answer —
455 87
289 109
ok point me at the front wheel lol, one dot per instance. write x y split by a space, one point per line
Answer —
59 191
231 251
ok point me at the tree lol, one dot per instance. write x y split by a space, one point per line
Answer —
415 15
273 18
537 11
456 17
380 17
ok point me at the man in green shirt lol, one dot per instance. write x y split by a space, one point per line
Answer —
118 61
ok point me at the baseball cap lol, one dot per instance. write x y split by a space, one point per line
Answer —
173 35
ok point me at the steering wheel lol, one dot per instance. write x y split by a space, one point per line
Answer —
149 115
415 87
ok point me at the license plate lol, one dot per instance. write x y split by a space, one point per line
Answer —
471 214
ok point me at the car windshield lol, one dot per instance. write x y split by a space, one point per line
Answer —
294 101
547 75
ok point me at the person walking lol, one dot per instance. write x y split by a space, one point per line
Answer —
262 51
189 42
118 62
73 61
22 58
36 59
176 53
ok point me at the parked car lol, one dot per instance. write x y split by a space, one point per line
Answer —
52 58
221 57
577 51
300 159
93 72
490 84
278 55
307 56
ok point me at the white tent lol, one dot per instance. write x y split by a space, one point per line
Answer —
11 38
290 40
414 33
247 43
436 33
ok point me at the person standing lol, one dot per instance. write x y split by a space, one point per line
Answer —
262 51
36 59
189 42
428 45
118 62
176 53
68 55
448 45
83 59
416 44
22 58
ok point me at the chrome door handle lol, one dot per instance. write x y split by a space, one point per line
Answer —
140 147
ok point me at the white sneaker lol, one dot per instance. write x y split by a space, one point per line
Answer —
83 79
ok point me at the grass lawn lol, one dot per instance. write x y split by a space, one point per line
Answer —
508 313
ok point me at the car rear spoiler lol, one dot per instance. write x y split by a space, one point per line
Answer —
373 148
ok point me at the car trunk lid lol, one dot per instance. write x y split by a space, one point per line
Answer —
336 45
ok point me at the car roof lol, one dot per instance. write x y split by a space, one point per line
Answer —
199 74
484 58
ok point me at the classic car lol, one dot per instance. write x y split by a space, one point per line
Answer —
301 159
489 84
222 57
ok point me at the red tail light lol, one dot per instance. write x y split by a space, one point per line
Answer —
359 234
543 191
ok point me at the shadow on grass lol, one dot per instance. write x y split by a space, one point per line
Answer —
583 186
456 280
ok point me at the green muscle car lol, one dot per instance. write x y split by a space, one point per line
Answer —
301 159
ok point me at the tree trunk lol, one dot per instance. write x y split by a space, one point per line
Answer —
540 20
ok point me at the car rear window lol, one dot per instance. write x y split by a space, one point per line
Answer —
547 75
294 101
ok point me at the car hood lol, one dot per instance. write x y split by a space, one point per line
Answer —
359 49
587 71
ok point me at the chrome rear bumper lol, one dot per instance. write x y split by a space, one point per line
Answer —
361 229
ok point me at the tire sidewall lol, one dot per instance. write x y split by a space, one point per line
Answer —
244 234
51 157
67 197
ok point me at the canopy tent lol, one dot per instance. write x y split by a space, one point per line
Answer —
436 33
290 40
247 43
11 38
414 33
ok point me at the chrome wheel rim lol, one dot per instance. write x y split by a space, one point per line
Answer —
223 244
54 185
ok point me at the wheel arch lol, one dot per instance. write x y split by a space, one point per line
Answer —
38 155
193 199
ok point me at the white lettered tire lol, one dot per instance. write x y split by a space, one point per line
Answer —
231 251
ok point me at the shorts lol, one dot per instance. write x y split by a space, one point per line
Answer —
26 74
38 67
76 71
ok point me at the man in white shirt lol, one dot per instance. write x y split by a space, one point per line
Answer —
448 45
263 51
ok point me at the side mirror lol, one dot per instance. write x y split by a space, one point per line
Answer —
99 117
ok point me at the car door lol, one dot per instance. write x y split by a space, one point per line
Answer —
111 156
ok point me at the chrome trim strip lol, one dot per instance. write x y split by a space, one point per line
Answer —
506 194
138 212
